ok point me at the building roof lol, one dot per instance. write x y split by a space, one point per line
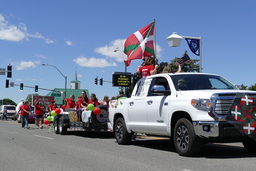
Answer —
58 97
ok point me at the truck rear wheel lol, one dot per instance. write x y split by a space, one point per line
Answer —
249 144
121 134
56 126
62 129
186 142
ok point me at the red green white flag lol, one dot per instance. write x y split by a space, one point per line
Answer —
140 44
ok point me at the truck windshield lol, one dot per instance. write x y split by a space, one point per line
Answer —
10 108
200 82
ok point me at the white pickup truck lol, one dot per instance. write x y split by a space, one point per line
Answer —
190 108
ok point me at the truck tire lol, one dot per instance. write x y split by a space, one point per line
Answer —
62 129
249 144
122 136
186 142
102 118
56 126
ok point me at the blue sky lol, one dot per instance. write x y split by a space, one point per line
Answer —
82 35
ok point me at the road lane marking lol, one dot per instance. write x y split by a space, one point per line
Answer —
43 137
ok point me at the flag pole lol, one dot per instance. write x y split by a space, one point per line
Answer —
155 42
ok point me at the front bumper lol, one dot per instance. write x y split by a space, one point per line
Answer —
215 130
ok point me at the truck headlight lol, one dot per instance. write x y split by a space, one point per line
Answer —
202 104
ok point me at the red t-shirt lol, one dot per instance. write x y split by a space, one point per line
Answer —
63 107
39 110
24 107
145 70
94 102
51 107
70 103
79 103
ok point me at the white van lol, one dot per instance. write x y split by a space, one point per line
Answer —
10 111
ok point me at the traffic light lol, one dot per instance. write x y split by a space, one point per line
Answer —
7 84
9 71
96 81
101 81
36 88
21 86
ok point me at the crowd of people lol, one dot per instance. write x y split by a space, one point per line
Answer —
149 67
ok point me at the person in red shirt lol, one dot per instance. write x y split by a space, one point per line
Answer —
39 111
24 112
84 98
51 106
93 100
70 102
148 67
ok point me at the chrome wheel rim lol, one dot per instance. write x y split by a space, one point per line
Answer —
119 131
182 137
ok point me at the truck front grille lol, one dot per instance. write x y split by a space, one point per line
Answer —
222 106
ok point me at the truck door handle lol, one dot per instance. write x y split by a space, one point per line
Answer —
149 102
165 103
131 103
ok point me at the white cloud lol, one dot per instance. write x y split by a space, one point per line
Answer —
18 33
18 79
41 56
79 75
31 79
92 62
37 35
11 32
108 50
69 43
49 41
158 51
25 64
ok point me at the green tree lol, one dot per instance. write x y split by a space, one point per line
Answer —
252 87
194 67
243 87
8 101
29 97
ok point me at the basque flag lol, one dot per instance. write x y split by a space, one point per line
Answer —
140 44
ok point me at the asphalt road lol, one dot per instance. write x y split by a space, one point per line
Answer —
38 150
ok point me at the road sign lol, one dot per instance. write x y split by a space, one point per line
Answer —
2 71
121 79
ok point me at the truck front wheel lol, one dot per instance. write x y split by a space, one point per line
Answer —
121 134
186 142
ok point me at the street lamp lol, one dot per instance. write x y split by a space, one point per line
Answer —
174 40
65 77
117 49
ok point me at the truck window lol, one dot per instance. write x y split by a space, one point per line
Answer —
143 88
159 81
10 108
200 82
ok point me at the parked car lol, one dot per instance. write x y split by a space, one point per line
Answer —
31 118
10 111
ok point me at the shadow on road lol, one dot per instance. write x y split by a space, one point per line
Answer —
224 151
98 135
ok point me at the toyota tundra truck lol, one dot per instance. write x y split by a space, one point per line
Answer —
191 109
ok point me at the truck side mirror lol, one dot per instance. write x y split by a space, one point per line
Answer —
159 90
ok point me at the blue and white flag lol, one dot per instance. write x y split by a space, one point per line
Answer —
194 45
